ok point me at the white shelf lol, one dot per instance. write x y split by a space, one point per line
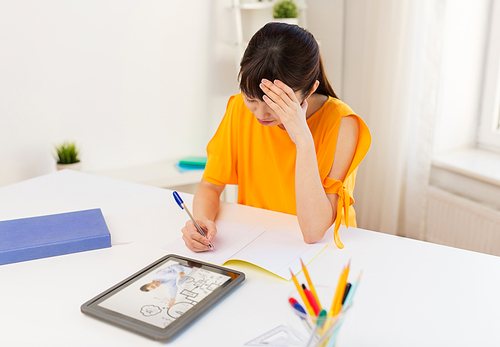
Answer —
251 16
162 174
471 173
266 4
256 5
472 162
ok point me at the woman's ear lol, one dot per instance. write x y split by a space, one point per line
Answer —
313 89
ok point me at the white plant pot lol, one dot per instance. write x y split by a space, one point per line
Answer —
74 166
287 20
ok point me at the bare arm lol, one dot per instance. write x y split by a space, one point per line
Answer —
316 210
205 208
206 200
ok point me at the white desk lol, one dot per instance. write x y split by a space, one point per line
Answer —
412 293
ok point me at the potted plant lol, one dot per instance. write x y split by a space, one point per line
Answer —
286 11
67 156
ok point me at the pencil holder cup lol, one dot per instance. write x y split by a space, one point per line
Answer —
306 330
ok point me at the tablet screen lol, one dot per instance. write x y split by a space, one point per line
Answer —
165 294
164 297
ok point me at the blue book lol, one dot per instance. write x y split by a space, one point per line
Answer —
56 234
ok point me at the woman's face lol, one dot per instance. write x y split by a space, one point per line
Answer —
264 114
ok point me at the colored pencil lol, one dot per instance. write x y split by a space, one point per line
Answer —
302 295
312 300
309 282
339 292
350 296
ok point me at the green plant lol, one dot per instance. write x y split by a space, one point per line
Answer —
285 9
67 153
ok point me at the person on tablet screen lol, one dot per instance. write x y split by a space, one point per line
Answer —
286 141
171 276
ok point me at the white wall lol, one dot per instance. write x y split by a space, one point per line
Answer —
130 81
325 20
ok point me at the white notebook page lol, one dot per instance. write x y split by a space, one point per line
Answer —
274 250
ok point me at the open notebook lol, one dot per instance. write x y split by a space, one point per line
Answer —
274 250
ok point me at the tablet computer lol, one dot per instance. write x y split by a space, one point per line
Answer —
165 297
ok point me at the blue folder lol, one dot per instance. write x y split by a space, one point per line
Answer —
51 235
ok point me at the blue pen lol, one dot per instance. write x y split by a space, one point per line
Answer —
297 306
300 311
183 206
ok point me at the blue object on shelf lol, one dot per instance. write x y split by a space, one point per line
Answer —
199 162
191 163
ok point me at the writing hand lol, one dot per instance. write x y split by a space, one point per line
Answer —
192 238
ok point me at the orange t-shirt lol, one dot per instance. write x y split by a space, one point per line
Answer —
261 159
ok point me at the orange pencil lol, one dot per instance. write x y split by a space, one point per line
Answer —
302 295
338 304
339 293
335 297
311 287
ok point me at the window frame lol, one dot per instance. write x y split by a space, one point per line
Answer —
488 134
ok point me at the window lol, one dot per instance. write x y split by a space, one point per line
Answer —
488 136
466 158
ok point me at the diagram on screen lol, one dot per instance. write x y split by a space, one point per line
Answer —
150 310
198 284
165 294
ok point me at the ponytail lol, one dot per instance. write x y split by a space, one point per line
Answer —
324 87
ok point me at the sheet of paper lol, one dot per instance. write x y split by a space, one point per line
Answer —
278 251
274 250
230 238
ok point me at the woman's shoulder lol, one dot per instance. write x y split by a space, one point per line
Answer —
343 110
235 100
235 105
236 111
337 106
331 113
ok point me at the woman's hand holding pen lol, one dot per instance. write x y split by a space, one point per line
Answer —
194 240
197 234
284 102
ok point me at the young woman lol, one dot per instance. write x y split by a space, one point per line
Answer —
286 140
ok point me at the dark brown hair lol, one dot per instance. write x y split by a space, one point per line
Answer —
285 52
